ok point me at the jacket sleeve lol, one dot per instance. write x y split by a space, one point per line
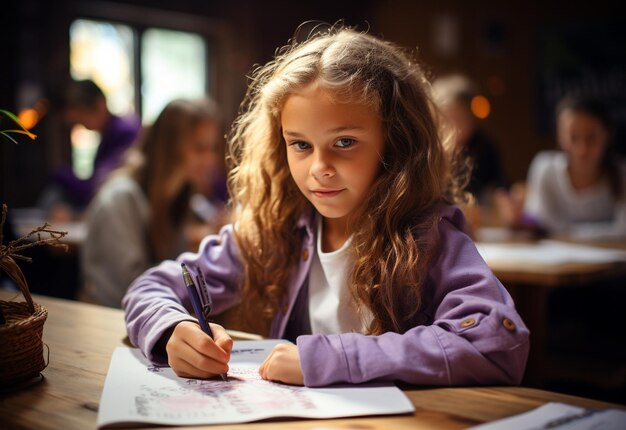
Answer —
157 300
475 338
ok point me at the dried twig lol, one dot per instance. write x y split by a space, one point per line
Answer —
34 238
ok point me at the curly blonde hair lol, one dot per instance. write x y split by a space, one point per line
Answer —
389 246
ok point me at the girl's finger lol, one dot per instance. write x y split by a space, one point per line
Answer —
201 361
263 367
202 342
222 338
186 370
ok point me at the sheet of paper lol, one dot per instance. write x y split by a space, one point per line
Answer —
547 252
137 392
562 417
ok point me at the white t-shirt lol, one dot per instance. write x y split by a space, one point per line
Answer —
586 214
332 308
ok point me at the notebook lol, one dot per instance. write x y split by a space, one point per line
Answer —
136 392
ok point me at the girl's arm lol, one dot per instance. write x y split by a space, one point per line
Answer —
475 337
157 301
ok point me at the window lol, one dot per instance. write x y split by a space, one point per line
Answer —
173 64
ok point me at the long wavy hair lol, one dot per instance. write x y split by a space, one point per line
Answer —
156 163
394 231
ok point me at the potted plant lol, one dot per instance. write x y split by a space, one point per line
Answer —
21 323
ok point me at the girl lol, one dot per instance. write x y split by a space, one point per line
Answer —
579 191
141 215
344 239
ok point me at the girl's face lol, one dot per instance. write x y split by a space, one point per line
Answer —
333 150
201 154
583 137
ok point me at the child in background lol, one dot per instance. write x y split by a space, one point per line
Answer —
141 215
345 238
581 190
84 103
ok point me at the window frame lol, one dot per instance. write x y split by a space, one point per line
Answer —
141 18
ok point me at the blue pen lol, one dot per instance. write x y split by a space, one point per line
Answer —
200 311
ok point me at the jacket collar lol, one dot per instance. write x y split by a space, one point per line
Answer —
306 221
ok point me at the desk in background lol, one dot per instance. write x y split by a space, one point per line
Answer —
53 271
81 338
533 283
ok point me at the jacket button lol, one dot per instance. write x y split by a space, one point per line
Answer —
509 325
468 322
305 255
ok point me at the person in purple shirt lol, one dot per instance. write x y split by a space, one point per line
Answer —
84 103
346 239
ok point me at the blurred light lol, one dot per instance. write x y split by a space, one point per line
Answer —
481 108
28 117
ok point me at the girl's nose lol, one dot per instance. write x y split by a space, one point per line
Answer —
321 166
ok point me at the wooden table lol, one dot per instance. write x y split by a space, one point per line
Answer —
81 338
531 285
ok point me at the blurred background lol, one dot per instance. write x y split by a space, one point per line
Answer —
524 56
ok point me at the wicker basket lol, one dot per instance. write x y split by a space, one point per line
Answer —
21 351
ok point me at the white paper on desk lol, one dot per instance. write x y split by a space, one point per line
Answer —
562 417
547 252
136 392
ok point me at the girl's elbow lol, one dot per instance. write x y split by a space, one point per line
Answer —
503 367
509 366
519 356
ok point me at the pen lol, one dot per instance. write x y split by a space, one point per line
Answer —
192 290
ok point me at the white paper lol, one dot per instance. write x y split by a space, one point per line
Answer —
547 253
561 417
137 392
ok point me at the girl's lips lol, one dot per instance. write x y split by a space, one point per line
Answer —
326 193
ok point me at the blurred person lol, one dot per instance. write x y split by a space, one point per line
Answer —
579 191
84 103
142 214
453 95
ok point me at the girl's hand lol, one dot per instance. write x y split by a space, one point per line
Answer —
193 354
283 365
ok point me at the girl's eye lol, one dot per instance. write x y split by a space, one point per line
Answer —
345 142
300 146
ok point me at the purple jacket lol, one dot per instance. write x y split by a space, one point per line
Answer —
467 333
